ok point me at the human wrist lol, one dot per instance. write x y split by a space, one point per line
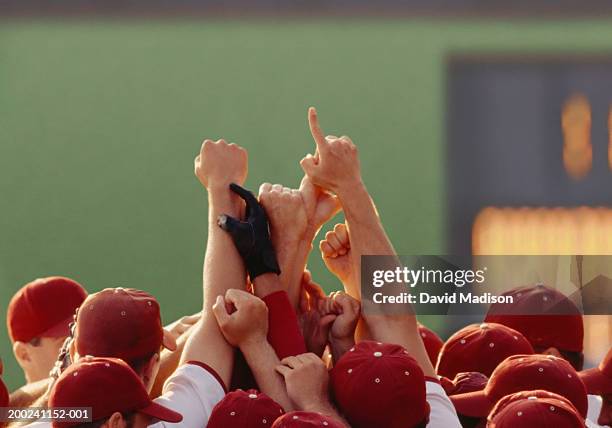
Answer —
349 189
266 284
253 344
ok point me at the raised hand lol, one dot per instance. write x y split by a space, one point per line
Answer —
218 164
335 250
247 324
307 380
347 310
181 325
335 164
251 236
286 212
314 315
319 204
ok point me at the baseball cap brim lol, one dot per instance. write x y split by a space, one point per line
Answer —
161 413
61 329
474 404
596 382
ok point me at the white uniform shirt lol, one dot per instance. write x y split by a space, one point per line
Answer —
593 411
442 413
192 390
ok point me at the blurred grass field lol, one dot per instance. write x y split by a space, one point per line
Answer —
100 122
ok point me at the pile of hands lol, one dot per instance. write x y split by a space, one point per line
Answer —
274 236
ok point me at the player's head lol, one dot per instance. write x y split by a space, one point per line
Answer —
598 381
537 408
38 320
122 323
245 409
380 384
480 348
550 321
525 373
113 391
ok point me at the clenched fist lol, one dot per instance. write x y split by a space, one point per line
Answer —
220 164
247 324
335 164
347 310
286 213
335 249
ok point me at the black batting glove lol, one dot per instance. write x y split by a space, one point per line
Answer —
251 236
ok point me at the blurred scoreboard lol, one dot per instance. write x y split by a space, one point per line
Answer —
529 155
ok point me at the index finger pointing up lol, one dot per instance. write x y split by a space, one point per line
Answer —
315 129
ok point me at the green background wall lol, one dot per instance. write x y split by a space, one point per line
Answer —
100 122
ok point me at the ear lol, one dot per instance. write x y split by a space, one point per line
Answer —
22 354
552 351
72 351
115 421
150 370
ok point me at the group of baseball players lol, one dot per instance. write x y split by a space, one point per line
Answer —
269 347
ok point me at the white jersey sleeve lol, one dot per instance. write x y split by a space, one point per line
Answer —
39 424
594 409
192 390
442 413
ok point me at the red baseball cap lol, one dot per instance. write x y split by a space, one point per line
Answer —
380 385
432 343
107 385
524 373
44 308
480 348
598 380
534 409
464 382
306 420
245 409
121 323
545 316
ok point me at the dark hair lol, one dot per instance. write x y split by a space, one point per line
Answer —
576 359
128 417
139 364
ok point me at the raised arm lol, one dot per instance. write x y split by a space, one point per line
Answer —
296 216
335 167
218 165
246 328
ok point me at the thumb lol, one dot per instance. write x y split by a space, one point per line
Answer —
230 224
220 311
251 201
309 165
327 320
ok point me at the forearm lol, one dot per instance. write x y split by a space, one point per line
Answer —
223 266
296 266
368 237
262 361
223 269
284 334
